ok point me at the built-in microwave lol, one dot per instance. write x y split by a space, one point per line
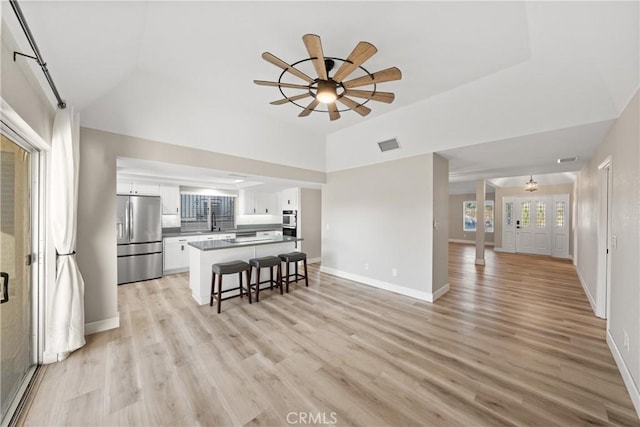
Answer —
290 219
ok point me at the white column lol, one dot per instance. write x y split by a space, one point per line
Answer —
480 197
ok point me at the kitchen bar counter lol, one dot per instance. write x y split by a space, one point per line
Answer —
175 232
210 245
202 255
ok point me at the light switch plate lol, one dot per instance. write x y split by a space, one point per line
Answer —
614 241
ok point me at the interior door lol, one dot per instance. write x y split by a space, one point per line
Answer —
15 284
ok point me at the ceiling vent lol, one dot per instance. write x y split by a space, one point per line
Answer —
237 175
389 144
567 159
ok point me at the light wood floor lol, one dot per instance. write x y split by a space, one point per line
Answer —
512 343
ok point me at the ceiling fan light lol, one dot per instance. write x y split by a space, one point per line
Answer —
326 92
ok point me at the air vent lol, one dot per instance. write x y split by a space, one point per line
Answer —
389 144
237 175
567 159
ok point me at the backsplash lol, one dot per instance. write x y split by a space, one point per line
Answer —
170 221
258 219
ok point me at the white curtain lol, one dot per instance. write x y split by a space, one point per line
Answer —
65 325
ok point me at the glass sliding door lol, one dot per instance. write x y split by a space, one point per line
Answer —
16 296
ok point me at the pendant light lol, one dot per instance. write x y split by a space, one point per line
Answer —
531 186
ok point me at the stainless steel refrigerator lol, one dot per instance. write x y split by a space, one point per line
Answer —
139 227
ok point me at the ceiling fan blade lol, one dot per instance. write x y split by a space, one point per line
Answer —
387 97
280 63
333 111
281 84
313 104
357 57
314 47
290 99
360 109
388 75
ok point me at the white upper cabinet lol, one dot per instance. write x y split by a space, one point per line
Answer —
170 195
254 202
267 203
290 199
247 202
137 188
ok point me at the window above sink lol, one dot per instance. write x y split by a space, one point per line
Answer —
200 212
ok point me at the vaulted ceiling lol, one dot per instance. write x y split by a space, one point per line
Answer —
473 73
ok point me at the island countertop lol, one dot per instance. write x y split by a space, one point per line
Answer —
210 245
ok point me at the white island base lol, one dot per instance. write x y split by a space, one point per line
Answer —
201 260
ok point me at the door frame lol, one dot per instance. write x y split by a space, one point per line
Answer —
605 189
17 130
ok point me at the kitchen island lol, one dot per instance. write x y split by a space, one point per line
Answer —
206 253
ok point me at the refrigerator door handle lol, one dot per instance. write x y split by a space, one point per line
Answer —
130 214
126 234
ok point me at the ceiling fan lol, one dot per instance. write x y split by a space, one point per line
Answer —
330 88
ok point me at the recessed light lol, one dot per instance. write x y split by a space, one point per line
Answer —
568 159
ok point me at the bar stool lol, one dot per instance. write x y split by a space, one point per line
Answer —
294 257
223 268
266 262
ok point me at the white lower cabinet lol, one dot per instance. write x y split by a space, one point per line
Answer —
176 250
176 254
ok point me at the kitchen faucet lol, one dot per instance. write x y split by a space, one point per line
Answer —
213 218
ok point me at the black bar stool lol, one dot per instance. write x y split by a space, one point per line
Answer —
266 262
223 268
294 257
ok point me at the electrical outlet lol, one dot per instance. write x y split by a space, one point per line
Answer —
626 340
327 226
366 265
394 272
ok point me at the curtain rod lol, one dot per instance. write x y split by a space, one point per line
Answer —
27 32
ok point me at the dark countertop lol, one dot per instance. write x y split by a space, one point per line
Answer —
196 233
175 232
210 245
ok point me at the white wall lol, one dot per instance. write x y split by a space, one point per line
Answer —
20 89
382 216
136 107
622 143
97 197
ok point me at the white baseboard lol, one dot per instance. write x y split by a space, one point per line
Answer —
437 294
495 249
314 260
102 325
632 387
592 300
413 293
469 242
479 262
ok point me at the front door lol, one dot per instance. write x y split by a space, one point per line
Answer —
533 227
15 282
